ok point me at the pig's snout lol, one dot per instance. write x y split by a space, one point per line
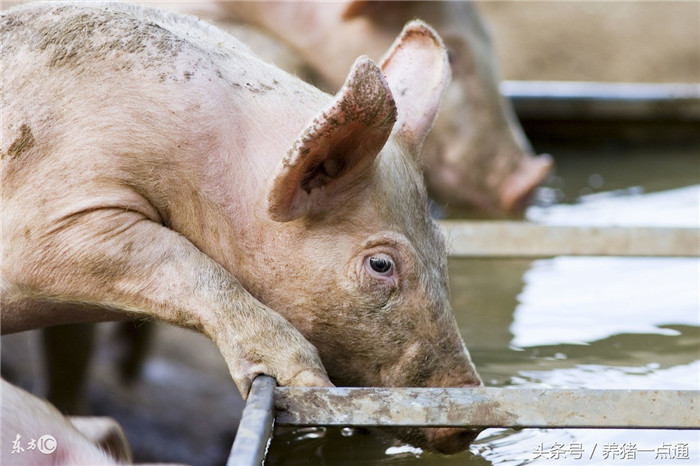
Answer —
518 186
453 371
450 440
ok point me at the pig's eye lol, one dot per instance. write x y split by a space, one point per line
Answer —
381 264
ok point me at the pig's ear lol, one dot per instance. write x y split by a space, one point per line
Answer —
337 150
418 72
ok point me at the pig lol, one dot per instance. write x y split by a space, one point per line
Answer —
34 432
477 156
153 167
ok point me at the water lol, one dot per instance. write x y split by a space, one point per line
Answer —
565 322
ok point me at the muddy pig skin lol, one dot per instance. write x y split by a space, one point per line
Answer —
153 167
477 155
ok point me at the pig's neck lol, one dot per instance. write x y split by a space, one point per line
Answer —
225 213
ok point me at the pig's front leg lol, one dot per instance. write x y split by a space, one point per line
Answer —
122 260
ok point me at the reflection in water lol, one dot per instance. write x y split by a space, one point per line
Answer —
673 208
484 296
648 376
612 169
335 446
581 299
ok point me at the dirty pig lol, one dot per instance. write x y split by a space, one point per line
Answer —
154 167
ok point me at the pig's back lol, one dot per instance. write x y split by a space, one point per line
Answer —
103 86
141 79
73 62
114 104
80 35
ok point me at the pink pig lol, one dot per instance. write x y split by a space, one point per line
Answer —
34 432
153 167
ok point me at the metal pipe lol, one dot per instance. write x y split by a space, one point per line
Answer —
524 239
604 100
255 428
488 407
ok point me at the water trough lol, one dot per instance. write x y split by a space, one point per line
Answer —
269 405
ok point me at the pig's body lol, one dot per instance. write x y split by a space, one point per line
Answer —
477 154
153 167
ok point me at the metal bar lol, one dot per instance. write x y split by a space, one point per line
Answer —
488 407
523 239
601 100
254 430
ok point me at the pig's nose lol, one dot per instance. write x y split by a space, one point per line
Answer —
450 440
517 188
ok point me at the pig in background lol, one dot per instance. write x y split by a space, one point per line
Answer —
145 175
55 439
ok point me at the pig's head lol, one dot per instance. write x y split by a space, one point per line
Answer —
363 272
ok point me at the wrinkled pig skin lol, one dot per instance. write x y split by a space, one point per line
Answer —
477 155
153 167
79 440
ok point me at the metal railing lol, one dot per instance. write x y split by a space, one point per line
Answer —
525 240
603 100
454 407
